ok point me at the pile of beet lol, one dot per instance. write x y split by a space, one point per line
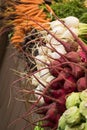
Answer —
70 72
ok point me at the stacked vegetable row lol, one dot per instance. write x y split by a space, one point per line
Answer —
75 117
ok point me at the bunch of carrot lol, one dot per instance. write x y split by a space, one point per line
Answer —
26 9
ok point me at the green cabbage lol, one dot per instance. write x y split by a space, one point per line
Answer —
83 95
72 116
62 123
77 127
83 108
85 126
73 100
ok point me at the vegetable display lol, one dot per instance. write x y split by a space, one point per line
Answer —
55 58
60 69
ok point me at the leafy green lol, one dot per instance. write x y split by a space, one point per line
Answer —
71 8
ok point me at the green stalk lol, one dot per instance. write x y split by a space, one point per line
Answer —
82 29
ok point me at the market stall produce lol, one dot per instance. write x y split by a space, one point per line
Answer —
54 51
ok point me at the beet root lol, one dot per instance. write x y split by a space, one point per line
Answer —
70 85
81 84
77 71
57 84
53 68
73 56
57 93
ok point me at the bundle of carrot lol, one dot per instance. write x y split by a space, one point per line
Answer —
26 9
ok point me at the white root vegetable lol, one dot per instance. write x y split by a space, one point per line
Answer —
61 49
68 35
50 78
55 23
72 21
58 30
38 90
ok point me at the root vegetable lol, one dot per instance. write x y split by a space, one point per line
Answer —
71 21
77 71
81 84
73 56
70 85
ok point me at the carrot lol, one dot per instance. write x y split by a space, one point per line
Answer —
22 24
38 19
39 13
23 9
49 9
43 15
17 21
33 1
32 10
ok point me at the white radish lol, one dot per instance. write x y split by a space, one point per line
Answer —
68 35
72 21
58 30
55 24
38 90
61 49
50 78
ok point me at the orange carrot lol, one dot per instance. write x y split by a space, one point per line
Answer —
33 1
49 9
32 10
39 12
23 9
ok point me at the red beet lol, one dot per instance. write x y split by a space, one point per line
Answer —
52 113
61 107
47 100
70 85
77 71
53 68
59 81
83 57
57 84
73 56
57 93
71 46
82 84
